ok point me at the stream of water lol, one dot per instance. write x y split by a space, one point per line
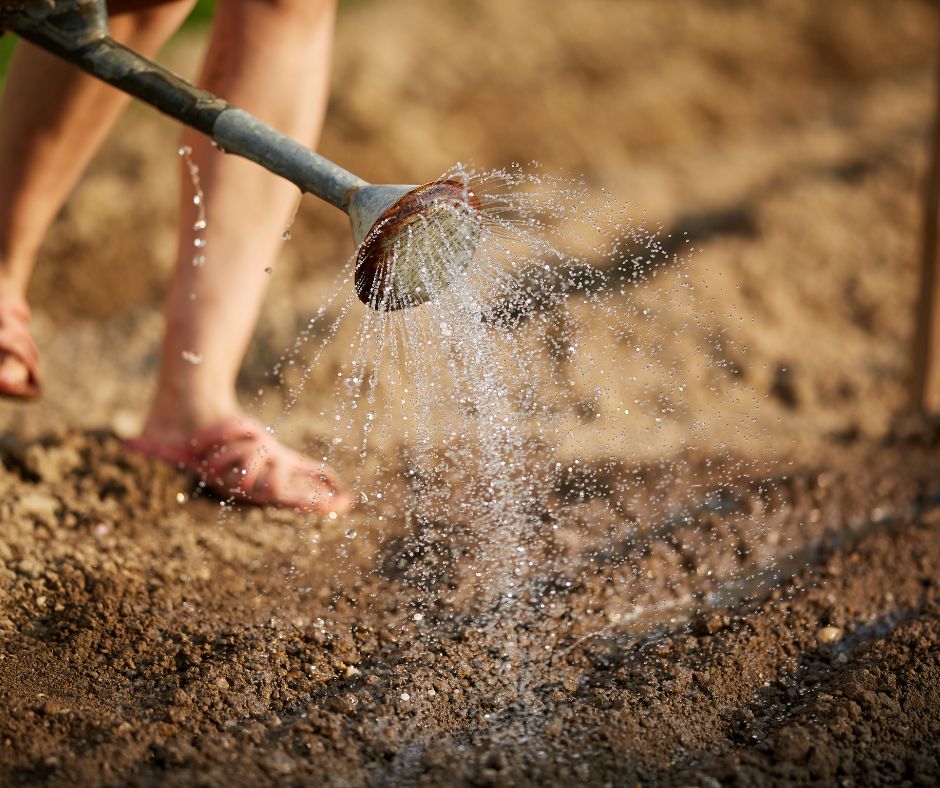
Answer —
500 431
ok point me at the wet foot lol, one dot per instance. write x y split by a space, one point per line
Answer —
238 458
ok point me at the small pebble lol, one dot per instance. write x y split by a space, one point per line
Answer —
829 635
351 670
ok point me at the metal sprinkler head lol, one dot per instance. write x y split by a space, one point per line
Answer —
413 240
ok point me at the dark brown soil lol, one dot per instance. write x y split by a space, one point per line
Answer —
150 636
149 642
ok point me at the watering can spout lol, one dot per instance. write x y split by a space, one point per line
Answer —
391 272
368 203
413 241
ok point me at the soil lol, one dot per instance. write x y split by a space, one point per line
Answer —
149 635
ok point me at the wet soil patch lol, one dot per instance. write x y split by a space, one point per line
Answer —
148 641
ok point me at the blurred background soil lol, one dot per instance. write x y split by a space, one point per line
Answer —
145 642
787 138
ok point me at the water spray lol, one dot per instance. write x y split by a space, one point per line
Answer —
387 220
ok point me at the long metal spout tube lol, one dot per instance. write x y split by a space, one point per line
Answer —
79 33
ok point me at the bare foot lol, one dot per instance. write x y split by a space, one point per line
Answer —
238 458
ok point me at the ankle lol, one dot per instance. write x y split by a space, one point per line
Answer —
11 289
176 413
14 277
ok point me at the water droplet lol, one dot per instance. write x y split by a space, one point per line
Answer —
350 533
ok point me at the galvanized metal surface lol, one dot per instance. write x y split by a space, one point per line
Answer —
15 14
238 132
8 7
368 205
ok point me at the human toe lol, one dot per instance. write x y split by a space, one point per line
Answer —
13 372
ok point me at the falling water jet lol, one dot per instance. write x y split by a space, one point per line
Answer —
479 475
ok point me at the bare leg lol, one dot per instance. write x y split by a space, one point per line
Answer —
54 118
270 57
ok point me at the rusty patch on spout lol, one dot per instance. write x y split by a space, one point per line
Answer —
372 272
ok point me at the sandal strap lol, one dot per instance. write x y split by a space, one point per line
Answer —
17 309
16 340
246 449
216 453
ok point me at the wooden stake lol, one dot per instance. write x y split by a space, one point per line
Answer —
925 384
